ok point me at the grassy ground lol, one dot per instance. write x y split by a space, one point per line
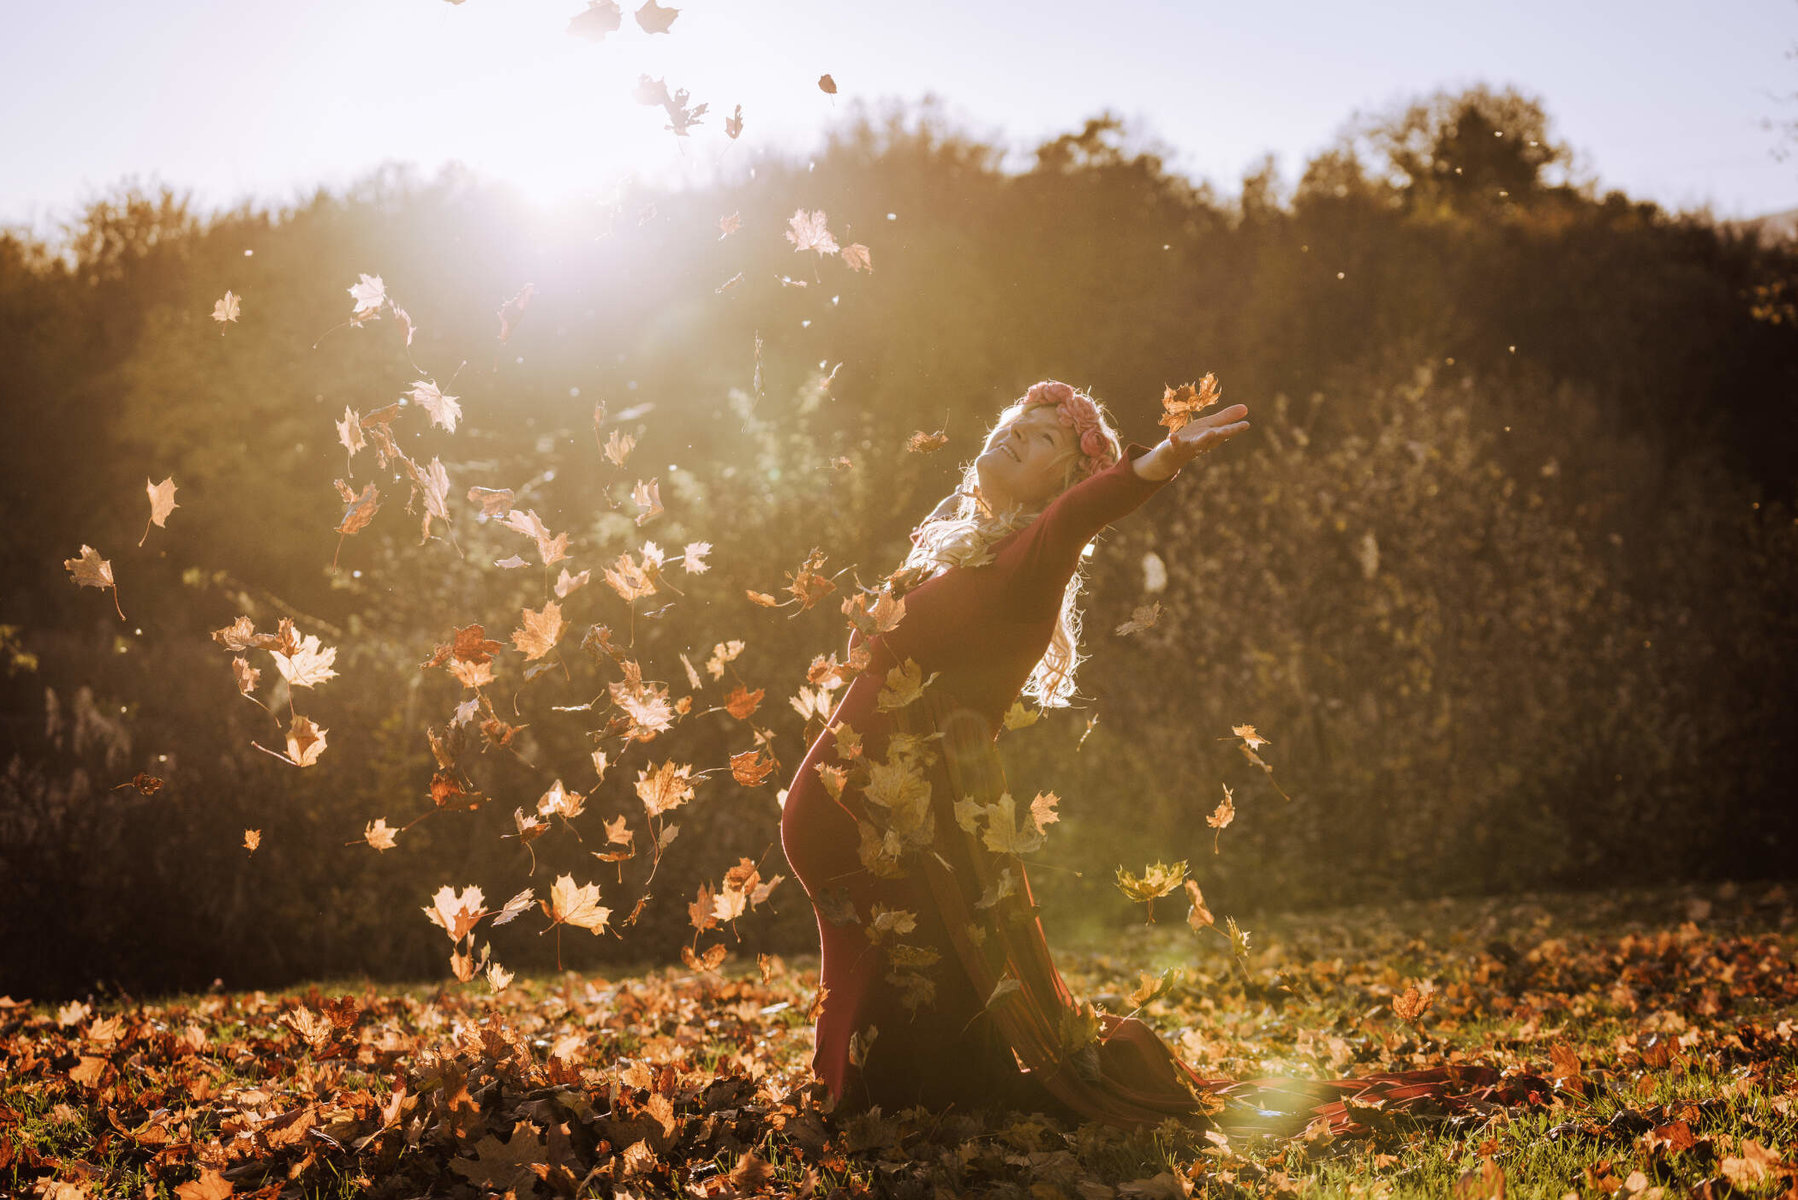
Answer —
1667 1022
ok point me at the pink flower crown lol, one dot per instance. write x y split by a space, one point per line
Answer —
1076 411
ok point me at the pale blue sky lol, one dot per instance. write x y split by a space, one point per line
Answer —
247 98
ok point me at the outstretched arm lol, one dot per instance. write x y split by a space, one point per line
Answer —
1038 560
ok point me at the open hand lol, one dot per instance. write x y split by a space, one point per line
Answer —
1204 433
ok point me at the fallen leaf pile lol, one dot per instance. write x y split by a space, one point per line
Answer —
1668 1047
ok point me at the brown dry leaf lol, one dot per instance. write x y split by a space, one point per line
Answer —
252 838
540 631
722 654
648 497
1414 1002
655 19
456 913
579 906
763 599
668 787
567 584
1199 916
494 502
359 509
227 308
709 961
742 702
209 1186
618 447
90 570
379 834
807 231
806 584
349 431
245 674
904 684
1144 617
1042 810
827 85
856 255
733 124
729 225
443 410
306 665
551 550
925 443
1249 736
1158 879
1221 816
630 579
1183 403
693 557
162 503
750 768
305 741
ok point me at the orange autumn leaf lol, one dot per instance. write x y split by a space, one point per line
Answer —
856 255
90 570
1221 816
577 905
750 768
807 231
162 503
667 787
1180 405
742 702
540 631
924 443
379 834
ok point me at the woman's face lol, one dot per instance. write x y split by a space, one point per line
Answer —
1025 462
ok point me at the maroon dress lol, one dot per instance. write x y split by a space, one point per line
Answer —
960 1003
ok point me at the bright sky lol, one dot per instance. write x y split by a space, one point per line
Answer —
234 99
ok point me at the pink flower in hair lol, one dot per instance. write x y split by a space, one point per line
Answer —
1076 411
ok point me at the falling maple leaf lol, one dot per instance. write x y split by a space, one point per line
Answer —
1199 916
305 741
655 19
494 502
1221 816
729 225
904 684
806 230
1158 879
648 497
1144 617
1042 809
252 838
693 557
924 443
349 431
443 410
552 550
666 788
742 702
512 310
308 664
379 834
618 447
90 570
1247 734
359 510
600 18
631 580
567 584
733 125
456 913
569 904
162 503
369 294
750 768
226 308
827 84
856 255
540 631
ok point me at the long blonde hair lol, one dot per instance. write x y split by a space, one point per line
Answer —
961 531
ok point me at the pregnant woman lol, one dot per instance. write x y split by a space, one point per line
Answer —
937 983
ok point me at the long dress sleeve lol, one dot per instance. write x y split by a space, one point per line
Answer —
1037 561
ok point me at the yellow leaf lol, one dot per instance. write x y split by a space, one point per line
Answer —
570 904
